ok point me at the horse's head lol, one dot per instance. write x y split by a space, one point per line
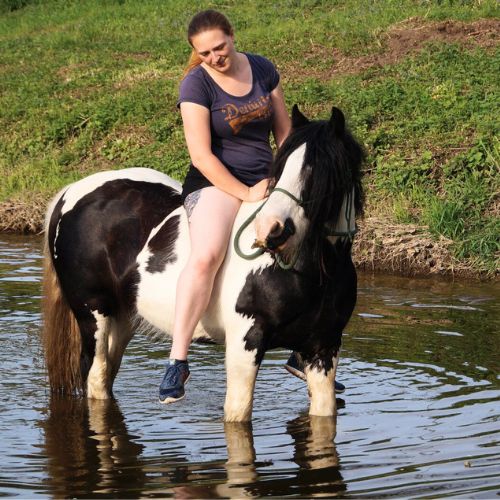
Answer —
317 177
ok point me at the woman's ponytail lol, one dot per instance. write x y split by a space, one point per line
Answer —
193 61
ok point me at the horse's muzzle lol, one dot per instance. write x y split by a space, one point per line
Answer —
278 236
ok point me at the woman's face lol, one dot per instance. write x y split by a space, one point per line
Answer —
215 48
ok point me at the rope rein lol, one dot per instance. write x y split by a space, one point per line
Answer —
329 231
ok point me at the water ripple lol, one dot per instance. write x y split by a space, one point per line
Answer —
420 416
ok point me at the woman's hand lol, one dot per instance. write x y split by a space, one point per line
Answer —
258 191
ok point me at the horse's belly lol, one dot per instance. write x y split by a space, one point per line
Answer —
156 304
159 272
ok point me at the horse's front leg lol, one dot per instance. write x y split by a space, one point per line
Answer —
242 366
320 376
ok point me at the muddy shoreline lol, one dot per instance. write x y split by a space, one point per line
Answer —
380 246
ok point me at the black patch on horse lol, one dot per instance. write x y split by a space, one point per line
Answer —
97 245
306 309
162 246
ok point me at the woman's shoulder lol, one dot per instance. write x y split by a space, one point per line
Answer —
264 71
260 61
193 75
194 87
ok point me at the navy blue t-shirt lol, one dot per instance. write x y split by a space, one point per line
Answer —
239 125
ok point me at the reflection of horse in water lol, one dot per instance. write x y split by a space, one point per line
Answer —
117 241
314 452
90 453
89 450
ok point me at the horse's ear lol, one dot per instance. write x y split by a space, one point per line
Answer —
298 119
337 121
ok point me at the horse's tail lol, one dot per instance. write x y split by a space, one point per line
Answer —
61 333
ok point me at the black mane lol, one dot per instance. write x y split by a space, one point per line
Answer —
331 171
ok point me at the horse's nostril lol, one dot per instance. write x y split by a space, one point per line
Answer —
279 234
276 229
289 226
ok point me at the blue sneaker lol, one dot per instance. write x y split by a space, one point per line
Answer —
172 385
295 366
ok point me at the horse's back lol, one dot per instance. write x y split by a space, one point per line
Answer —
106 181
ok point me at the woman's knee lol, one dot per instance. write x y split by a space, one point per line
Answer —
206 263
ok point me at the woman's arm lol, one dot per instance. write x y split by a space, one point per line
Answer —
281 121
196 121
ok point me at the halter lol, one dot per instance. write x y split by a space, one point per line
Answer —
329 231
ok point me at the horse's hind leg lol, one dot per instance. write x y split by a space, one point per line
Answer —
321 385
120 333
99 381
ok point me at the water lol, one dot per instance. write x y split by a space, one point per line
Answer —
420 416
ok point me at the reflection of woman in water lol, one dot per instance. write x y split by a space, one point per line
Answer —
230 101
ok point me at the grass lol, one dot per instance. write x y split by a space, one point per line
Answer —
92 85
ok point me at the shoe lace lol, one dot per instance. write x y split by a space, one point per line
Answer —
173 375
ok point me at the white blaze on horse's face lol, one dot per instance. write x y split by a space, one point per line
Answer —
270 221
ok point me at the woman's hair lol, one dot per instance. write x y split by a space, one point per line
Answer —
204 21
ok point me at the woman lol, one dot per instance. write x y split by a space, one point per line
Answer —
230 101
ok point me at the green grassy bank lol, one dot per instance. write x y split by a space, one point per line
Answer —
92 85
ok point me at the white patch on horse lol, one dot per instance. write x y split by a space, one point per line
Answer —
279 206
98 378
278 203
79 189
52 205
321 390
155 300
55 238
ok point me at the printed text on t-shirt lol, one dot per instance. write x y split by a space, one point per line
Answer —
239 116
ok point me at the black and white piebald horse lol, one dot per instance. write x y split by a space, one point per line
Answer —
116 242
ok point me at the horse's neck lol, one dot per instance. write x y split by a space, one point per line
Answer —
246 213
247 209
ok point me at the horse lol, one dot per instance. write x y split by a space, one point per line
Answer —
116 241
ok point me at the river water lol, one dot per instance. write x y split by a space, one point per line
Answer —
420 416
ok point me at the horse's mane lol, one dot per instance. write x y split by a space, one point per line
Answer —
332 162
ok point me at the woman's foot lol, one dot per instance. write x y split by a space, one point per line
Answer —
172 385
295 366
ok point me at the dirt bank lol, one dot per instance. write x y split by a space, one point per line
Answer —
414 34
409 250
379 246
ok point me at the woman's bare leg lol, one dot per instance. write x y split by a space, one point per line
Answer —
210 228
